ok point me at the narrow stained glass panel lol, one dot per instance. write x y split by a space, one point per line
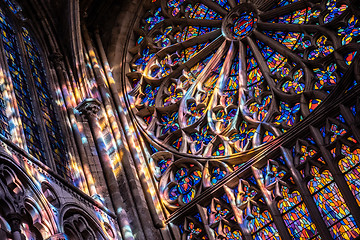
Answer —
19 81
296 215
43 92
332 205
349 165
262 226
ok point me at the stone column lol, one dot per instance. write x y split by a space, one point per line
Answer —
89 109
14 220
140 211
57 61
140 165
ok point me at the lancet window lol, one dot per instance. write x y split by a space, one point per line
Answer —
28 115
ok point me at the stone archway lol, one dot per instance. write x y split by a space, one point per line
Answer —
23 212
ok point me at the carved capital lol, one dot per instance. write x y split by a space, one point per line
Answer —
89 107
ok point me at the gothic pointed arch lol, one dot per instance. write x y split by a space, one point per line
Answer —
24 208
79 224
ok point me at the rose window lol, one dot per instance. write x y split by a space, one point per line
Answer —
231 75
246 108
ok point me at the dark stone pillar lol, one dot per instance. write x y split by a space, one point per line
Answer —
57 61
89 109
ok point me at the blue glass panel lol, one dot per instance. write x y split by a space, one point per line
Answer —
21 89
51 124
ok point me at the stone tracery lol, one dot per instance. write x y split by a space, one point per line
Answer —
213 82
216 79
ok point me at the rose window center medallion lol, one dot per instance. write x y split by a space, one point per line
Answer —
240 22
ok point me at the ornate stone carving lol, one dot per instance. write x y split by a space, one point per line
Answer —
89 107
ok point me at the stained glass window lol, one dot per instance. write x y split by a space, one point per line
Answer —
22 89
52 126
332 205
296 215
257 70
219 86
32 93
350 166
